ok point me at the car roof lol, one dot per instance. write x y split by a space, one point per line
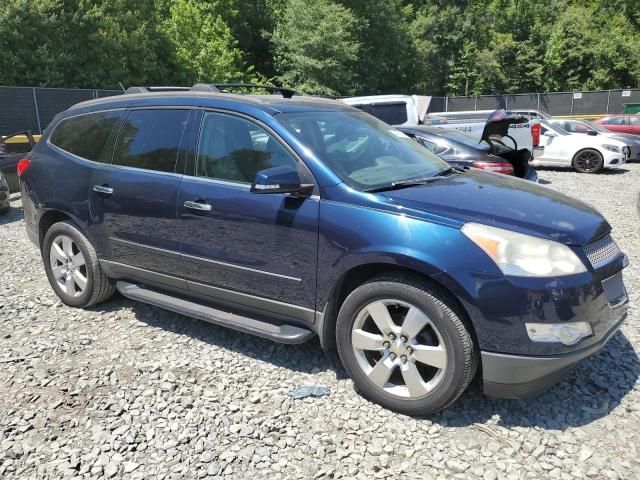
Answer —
271 103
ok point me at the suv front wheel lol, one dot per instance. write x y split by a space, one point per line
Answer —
72 267
404 345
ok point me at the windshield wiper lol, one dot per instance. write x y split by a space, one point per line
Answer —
446 171
414 182
402 184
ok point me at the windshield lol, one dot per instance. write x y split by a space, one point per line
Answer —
595 126
555 128
365 152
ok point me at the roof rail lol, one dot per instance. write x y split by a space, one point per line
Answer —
156 89
223 87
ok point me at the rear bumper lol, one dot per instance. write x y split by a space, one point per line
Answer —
516 376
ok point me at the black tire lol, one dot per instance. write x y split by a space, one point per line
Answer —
99 287
588 161
5 209
461 353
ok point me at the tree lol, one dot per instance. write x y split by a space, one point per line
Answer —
78 43
385 62
315 47
203 48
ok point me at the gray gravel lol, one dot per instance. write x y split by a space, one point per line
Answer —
126 390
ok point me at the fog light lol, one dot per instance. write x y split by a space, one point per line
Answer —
565 333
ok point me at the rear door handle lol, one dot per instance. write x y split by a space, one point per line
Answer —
200 206
103 189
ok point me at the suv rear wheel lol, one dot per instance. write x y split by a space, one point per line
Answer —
72 267
404 345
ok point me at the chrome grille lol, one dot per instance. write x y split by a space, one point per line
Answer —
614 289
601 250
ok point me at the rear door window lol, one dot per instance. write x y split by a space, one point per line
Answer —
150 139
85 135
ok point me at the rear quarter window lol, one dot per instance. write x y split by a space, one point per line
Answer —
85 135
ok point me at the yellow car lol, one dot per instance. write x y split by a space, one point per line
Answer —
12 148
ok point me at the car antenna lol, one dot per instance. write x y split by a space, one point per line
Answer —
122 87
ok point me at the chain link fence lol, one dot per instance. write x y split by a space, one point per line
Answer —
28 108
562 103
32 108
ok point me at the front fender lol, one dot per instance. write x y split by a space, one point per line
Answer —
352 236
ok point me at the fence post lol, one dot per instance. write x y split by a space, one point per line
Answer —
608 99
446 103
35 105
571 103
475 103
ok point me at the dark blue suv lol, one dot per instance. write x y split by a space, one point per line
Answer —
293 217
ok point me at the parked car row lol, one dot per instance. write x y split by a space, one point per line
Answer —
591 128
543 136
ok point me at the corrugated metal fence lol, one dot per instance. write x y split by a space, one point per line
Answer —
28 108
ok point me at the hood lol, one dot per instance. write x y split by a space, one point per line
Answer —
498 123
506 202
628 138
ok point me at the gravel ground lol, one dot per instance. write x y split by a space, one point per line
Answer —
126 390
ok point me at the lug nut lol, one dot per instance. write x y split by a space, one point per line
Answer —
386 344
403 358
392 356
409 350
392 336
404 338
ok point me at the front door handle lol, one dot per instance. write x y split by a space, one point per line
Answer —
103 189
200 206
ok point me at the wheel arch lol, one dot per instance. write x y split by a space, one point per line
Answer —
52 216
359 274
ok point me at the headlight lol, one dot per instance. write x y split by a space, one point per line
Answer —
522 255
611 148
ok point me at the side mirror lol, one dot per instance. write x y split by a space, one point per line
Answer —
283 179
550 134
593 133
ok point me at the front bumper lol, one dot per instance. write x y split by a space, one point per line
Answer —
517 376
613 160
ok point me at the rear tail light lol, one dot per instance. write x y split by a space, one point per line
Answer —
22 166
535 133
495 167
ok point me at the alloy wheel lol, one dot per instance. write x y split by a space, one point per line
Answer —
68 266
399 348
588 161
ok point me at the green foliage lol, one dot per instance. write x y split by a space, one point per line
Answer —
315 47
432 47
79 43
203 47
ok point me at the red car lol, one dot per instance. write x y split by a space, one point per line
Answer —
621 123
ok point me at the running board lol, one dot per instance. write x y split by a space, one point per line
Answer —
283 333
